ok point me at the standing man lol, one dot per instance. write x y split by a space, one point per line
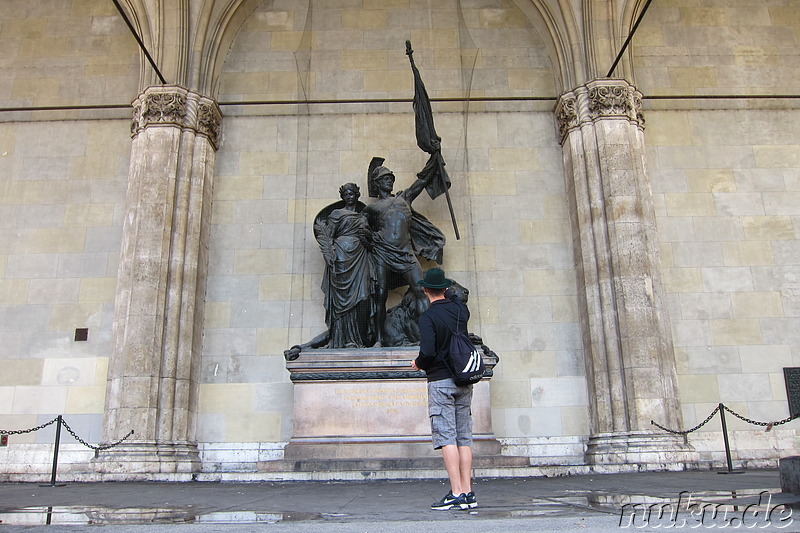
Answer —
449 406
399 234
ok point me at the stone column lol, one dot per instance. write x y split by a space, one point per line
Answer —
626 335
157 332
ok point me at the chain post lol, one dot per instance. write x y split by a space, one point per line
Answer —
59 420
727 444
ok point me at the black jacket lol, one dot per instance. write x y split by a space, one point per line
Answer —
436 325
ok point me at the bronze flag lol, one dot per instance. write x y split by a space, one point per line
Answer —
429 141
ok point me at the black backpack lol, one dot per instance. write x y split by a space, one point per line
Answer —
465 360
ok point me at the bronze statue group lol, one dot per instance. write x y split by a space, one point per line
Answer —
369 250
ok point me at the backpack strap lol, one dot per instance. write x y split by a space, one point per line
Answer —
452 332
458 319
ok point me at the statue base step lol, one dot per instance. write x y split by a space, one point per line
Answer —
490 462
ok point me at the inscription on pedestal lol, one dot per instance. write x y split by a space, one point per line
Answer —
390 399
361 408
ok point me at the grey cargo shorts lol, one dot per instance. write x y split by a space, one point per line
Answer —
450 410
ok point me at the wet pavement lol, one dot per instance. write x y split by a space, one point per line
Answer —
602 502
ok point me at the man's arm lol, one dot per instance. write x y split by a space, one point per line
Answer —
427 348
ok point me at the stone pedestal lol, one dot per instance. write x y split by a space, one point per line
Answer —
369 403
146 461
654 451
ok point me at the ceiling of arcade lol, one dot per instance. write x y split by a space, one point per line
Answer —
191 40
336 54
82 53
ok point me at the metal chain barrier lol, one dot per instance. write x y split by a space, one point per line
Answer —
698 426
61 422
23 431
69 429
96 448
769 425
721 409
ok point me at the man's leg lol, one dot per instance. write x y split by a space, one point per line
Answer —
441 409
452 463
465 468
463 411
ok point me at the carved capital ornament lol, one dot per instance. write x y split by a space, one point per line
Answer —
598 100
209 121
177 107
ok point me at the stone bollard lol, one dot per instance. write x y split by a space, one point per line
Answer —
790 474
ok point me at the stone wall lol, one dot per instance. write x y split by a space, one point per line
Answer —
725 179
723 171
63 190
729 246
63 175
65 54
718 48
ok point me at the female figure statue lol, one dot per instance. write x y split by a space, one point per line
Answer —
344 237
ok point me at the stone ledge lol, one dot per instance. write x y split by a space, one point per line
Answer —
434 470
377 464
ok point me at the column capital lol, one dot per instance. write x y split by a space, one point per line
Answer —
172 105
604 98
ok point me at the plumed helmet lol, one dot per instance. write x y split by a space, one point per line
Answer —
376 170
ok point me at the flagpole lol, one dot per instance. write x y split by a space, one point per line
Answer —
447 196
439 160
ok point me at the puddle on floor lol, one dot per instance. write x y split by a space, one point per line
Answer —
748 508
64 515
613 500
82 516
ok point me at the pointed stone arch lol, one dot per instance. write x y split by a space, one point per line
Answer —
219 29
630 12
137 14
559 30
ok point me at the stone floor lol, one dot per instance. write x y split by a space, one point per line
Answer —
590 502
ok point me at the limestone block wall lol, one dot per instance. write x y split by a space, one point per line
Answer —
725 180
63 175
343 50
63 189
685 47
65 53
727 225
